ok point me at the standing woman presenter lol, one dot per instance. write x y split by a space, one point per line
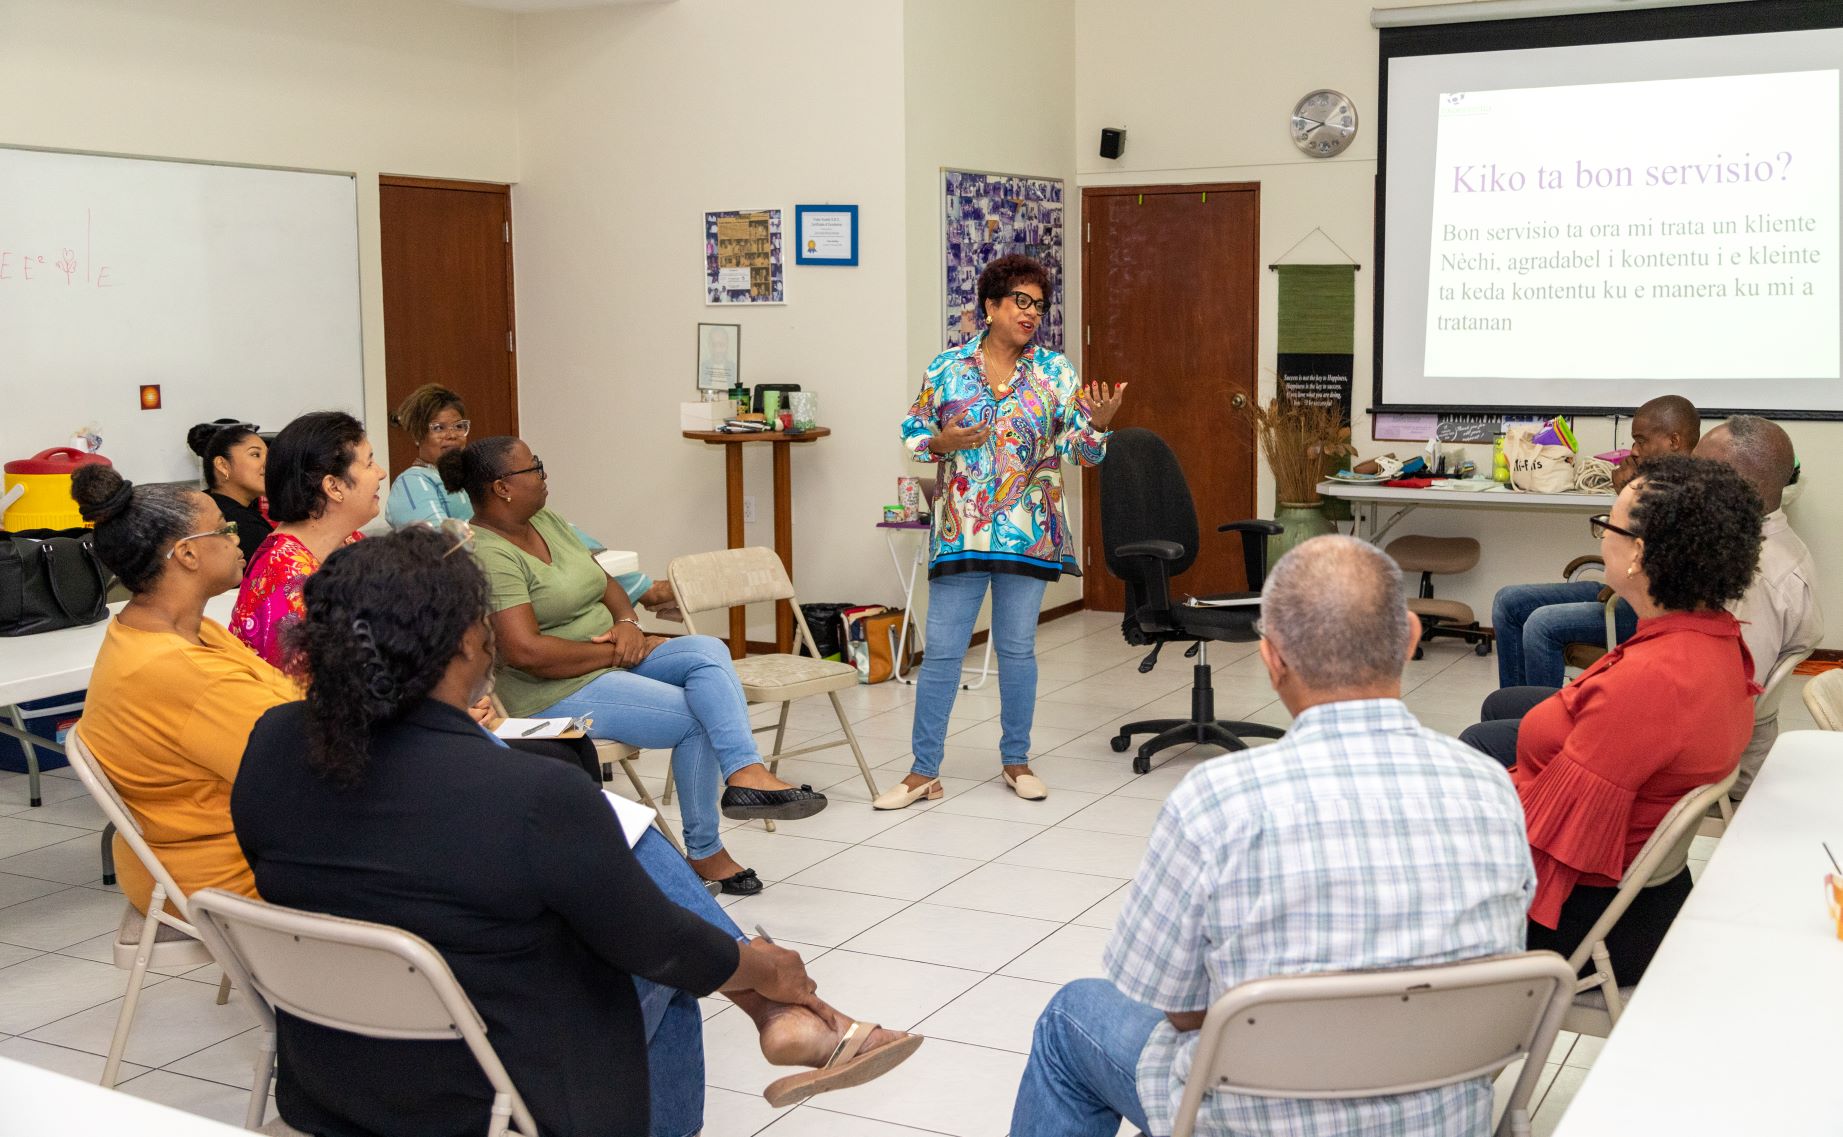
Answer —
1000 414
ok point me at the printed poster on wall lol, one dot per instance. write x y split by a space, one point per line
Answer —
743 261
987 216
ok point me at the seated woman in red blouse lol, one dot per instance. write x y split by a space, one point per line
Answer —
1601 761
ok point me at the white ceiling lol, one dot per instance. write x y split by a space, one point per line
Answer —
554 5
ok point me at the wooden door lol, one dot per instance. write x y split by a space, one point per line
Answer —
1170 285
447 251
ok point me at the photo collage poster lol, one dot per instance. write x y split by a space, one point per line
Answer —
743 261
987 216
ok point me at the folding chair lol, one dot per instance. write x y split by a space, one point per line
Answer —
1765 709
163 937
1599 1000
1358 1034
727 578
1824 699
350 975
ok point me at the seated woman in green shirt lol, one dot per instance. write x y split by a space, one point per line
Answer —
569 645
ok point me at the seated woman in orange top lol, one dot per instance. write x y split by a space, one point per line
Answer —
1600 762
174 695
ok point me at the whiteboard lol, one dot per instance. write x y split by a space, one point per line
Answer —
233 288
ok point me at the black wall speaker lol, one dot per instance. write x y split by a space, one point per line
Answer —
1113 141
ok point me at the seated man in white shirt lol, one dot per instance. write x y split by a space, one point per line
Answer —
1779 615
1360 840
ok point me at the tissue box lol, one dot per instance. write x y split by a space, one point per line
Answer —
705 416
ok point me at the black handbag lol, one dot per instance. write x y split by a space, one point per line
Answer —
50 579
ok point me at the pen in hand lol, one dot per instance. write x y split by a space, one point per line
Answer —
762 933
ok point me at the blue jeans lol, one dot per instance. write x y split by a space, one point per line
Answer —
1534 622
684 695
674 1024
1080 1078
953 606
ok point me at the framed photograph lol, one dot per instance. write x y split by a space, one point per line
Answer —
826 235
719 356
743 261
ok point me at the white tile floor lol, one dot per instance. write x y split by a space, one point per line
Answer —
957 918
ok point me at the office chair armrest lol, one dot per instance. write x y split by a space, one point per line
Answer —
1162 550
1253 551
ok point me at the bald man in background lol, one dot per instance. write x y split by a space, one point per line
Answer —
1779 615
1536 622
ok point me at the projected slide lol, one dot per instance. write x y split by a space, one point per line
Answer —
1667 229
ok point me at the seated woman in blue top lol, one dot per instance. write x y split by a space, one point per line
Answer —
435 418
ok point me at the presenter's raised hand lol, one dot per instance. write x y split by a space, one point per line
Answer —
965 437
1102 404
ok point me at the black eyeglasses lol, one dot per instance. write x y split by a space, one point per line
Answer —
536 467
1599 524
1027 303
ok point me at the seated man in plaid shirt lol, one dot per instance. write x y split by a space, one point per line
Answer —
1361 840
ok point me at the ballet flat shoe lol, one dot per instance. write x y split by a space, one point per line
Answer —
900 796
1027 786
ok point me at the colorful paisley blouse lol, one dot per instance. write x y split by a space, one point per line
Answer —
270 599
999 508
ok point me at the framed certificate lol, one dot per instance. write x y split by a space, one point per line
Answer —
826 234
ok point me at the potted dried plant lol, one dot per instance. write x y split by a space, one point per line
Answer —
1301 443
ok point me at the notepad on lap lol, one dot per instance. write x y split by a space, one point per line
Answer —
533 728
1223 602
635 818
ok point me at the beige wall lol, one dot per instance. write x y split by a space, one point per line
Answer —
421 87
1204 89
963 113
632 122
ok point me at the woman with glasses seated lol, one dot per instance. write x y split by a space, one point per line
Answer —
585 951
569 645
435 418
1000 415
323 483
234 457
173 695
1601 761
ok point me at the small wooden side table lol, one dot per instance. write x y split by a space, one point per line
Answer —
783 519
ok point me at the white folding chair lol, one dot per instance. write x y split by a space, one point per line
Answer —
164 937
1765 710
727 578
1824 699
1599 1000
350 975
1358 1034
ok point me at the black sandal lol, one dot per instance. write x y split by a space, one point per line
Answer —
744 883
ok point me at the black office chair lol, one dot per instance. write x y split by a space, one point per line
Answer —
1149 528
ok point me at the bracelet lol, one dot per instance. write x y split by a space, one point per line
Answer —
629 620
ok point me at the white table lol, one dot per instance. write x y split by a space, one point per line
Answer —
892 531
1367 501
1738 1025
39 1102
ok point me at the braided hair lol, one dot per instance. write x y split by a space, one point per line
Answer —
384 618
135 525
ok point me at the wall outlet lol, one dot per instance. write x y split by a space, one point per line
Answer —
748 509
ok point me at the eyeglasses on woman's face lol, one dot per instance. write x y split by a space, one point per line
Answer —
1600 524
458 429
1027 303
228 529
536 467
459 534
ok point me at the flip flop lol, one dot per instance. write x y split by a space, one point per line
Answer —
848 1066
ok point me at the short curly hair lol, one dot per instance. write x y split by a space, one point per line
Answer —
1001 278
1701 524
419 409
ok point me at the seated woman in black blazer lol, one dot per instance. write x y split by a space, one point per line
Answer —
379 798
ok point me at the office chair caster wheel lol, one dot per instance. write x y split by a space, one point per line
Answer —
1418 652
1120 742
1142 764
1483 648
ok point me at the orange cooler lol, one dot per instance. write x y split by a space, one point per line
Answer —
46 503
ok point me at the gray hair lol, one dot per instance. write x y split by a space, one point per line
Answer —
1762 453
1333 607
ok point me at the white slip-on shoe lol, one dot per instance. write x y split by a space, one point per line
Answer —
1028 786
900 796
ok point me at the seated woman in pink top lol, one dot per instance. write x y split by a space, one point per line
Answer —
323 482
